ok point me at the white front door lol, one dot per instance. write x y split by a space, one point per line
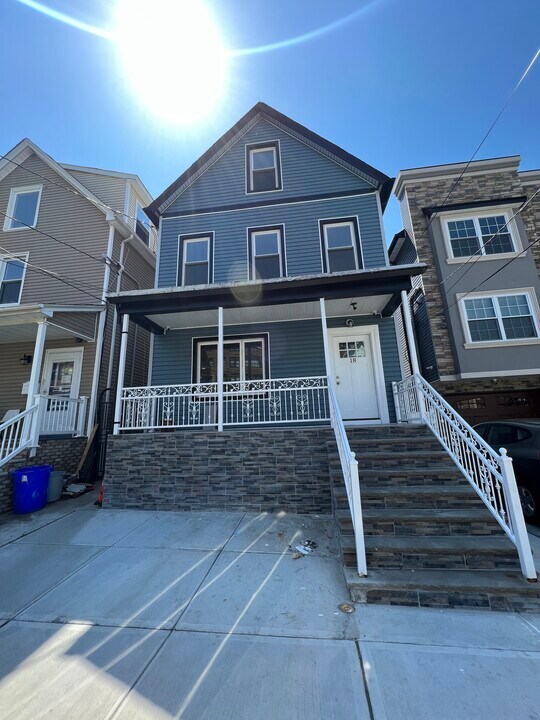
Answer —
60 381
354 377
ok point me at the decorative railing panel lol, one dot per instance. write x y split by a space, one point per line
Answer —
285 400
491 474
169 406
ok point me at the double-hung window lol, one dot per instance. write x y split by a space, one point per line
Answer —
266 252
11 279
142 225
195 260
340 242
263 168
243 359
480 235
500 318
23 207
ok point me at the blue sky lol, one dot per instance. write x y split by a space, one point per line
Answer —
407 83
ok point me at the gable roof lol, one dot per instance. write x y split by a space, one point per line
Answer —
129 177
258 111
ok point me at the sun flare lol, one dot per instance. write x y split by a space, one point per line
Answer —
176 65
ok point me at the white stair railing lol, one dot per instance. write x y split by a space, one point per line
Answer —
491 474
15 434
349 468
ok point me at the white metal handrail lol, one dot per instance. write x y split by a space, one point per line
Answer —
491 474
245 402
349 468
15 434
61 415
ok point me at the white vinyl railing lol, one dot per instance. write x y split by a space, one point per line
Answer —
349 468
16 435
246 402
491 474
61 415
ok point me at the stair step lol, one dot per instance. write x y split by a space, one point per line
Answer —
487 552
413 496
488 589
421 521
391 430
395 476
403 443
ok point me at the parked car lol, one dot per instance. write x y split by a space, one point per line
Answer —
522 440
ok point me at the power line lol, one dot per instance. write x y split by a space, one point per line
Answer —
485 244
43 271
99 204
101 261
486 135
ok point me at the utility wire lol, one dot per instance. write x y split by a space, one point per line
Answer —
101 261
486 135
485 244
99 204
43 271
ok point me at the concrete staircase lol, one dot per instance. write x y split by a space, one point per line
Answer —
430 541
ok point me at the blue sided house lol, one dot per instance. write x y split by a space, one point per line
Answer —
274 350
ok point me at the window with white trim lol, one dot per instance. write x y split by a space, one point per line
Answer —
477 235
243 359
340 245
195 260
11 279
266 253
23 207
263 168
142 224
500 317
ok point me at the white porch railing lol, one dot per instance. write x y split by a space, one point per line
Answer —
491 474
246 402
61 415
16 435
349 468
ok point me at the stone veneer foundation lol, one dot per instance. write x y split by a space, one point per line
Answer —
251 470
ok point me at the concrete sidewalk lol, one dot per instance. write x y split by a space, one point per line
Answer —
130 614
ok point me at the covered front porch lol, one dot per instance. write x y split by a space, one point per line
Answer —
263 353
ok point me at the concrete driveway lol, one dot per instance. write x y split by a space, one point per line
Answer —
131 614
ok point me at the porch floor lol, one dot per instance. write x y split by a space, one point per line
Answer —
136 614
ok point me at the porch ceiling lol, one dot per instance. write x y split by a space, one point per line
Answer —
372 305
27 333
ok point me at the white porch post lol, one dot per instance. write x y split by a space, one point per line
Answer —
37 358
326 346
121 372
220 369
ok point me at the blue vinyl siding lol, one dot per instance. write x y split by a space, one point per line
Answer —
305 171
295 350
302 239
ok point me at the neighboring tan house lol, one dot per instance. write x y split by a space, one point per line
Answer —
275 356
476 308
69 235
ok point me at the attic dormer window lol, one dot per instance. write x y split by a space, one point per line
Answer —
263 167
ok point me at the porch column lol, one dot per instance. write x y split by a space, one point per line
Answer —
327 360
121 372
220 369
409 332
33 384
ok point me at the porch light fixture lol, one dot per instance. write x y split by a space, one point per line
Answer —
349 322
26 359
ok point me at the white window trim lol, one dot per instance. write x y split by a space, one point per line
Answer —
341 221
3 260
185 241
252 232
11 206
491 211
231 341
534 307
277 166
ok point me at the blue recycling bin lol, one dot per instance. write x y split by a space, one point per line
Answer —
30 488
